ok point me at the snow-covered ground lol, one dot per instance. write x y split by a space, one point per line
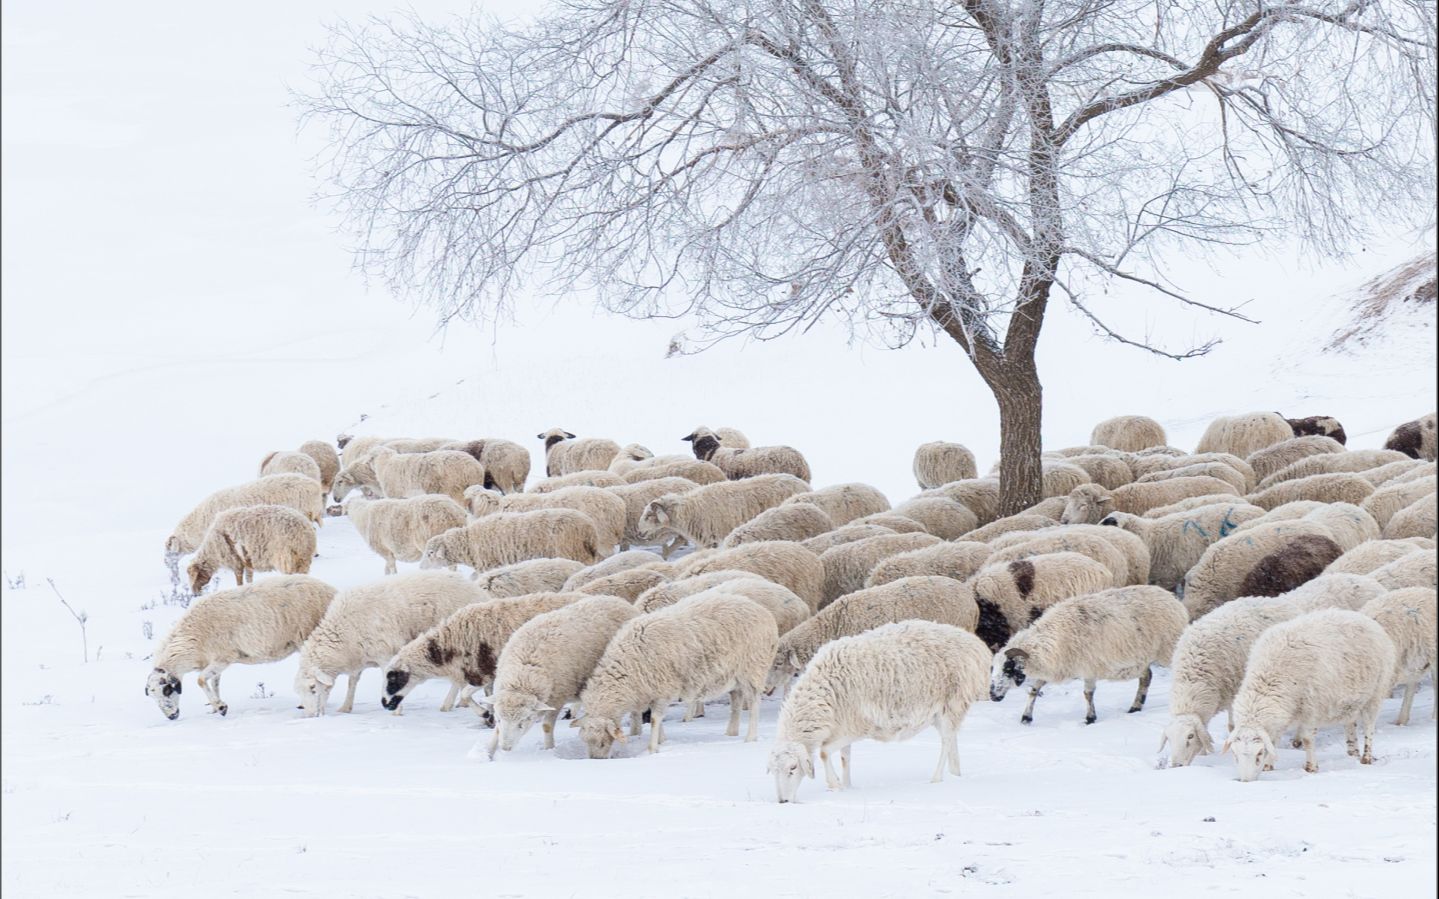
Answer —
174 310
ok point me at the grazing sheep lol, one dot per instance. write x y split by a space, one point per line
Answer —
1418 519
1229 475
1024 521
1340 487
534 576
887 684
1244 435
844 503
628 585
287 462
605 509
926 597
353 449
749 462
1107 471
1130 433
634 558
464 646
398 529
1414 570
1357 461
1013 595
1177 541
251 539
416 474
788 564
326 458
509 537
1318 425
704 516
1281 455
850 533
566 454
300 493
942 517
980 496
691 469
545 664
693 650
506 463
637 498
848 565
957 559
1111 635
1209 662
576 479
1327 667
365 626
781 602
1392 498
1334 591
1408 617
787 521
1265 560
254 624
938 463
1416 439
1062 539
1089 503
1346 523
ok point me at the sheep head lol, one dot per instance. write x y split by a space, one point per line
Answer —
790 763
1087 504
554 435
1187 738
600 735
1253 750
164 687
1008 671
704 441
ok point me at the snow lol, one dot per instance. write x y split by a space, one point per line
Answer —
174 310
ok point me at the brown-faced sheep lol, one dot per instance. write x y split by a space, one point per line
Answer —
937 463
1130 433
1244 435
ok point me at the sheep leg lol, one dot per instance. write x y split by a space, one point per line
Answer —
953 746
753 717
844 764
352 681
1370 720
1143 692
945 730
465 695
1089 715
239 577
1351 739
449 702
494 745
831 780
657 714
209 681
548 725
1306 739
1409 690
1028 716
390 566
732 729
249 575
636 721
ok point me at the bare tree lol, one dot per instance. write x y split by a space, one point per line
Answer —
904 166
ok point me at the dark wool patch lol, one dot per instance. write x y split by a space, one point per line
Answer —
395 681
1317 425
437 654
1023 573
1299 561
705 447
993 627
1407 439
1034 613
552 440
482 667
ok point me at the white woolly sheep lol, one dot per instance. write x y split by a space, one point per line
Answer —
400 475
300 493
938 463
637 498
481 501
509 537
1244 435
980 496
1176 542
704 516
604 508
1416 439
576 479
254 624
957 559
352 449
1393 472
545 664
463 647
1089 503
1265 560
1275 458
1194 502
940 516
788 564
326 458
1340 487
1061 539
1371 555
844 503
848 565
925 597
1414 570
1024 521
1390 499
899 524
1334 591
251 539
747 462
1356 461
1408 617
696 649
1209 663
1132 550
1013 595
287 462
1418 519
1231 476
1348 524
1115 634
627 585
632 455
534 576
887 684
398 529
1327 667
787 521
789 610
850 533
1149 463
567 454
506 463
691 469
624 561
1108 471
365 626
1091 449
1130 433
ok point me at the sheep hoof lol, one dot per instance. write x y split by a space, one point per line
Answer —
1026 719
1311 768
1135 708
1353 751
1366 759
1090 719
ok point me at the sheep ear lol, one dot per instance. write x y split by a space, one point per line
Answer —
794 660
325 678
540 436
688 437
1018 655
569 436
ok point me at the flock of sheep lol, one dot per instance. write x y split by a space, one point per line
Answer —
1281 577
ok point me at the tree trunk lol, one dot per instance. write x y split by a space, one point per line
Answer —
1021 399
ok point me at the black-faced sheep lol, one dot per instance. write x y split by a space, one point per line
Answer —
1318 425
1013 595
746 463
566 454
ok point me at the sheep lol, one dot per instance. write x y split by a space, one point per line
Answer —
286 462
1334 591
944 518
638 496
1392 498
624 561
253 624
1416 439
1060 478
844 503
1328 667
400 475
1229 475
1418 519
1408 617
1346 523
1102 547
789 610
326 458
1385 475
848 565
1318 425
509 537
1275 458
464 646
545 664
956 559
1114 634
1013 595
887 684
300 493
1130 433
481 501
1413 570
506 463
1089 503
1243 435
924 597
627 585
1177 541
1208 666
567 454
938 463
633 455
692 469
1092 449
787 564
1148 463
1107 471
352 449
534 576
1371 555
748 462
1265 560
1024 521
1414 472
796 522
1194 502
606 510
696 649
365 626
1340 487
576 479
980 496
704 516
398 529
251 539
899 524
1357 461
850 533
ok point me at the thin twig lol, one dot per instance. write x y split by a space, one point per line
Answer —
80 617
